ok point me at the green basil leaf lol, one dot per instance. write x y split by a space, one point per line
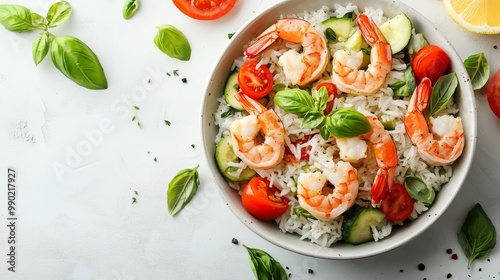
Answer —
15 18
410 79
39 21
264 266
77 62
477 237
323 131
312 119
172 42
129 8
330 34
397 85
301 212
442 91
182 189
320 99
279 86
418 190
478 68
295 101
41 47
347 122
58 13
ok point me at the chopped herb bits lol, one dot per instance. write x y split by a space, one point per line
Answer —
230 35
167 123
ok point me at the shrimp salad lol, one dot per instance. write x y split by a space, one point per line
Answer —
331 119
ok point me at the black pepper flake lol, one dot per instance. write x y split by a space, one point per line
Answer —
421 266
287 268
184 80
449 251
155 160
289 275
310 271
448 275
495 47
400 270
480 269
234 241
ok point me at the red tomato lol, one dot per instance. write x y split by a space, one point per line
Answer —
397 203
260 200
255 82
493 93
332 93
204 9
431 62
304 151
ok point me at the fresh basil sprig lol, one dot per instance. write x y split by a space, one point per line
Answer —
442 91
130 8
341 123
172 42
181 189
70 55
264 266
418 190
477 237
478 68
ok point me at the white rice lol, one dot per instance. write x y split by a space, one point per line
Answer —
324 154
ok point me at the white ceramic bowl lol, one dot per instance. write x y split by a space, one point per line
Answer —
269 230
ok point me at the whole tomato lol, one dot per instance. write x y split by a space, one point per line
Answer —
431 62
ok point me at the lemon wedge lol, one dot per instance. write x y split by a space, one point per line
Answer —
478 16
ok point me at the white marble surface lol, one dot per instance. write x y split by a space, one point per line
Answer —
80 159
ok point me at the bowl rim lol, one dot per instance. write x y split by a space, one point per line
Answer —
392 241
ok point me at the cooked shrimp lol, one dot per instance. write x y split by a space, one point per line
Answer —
259 138
352 150
299 68
329 194
444 142
346 74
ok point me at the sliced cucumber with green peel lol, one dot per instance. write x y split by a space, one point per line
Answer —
224 154
397 32
230 91
341 26
355 42
356 227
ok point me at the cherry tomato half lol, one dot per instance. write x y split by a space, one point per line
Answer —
332 94
431 62
260 200
304 151
255 82
493 93
397 203
204 9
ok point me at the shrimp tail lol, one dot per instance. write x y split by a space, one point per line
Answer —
262 42
381 185
250 105
370 31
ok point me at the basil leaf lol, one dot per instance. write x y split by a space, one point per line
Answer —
15 18
181 189
442 91
41 47
346 123
330 34
323 131
478 68
129 8
301 212
77 62
477 237
264 266
172 42
279 86
312 119
418 190
38 21
320 98
410 79
295 101
58 13
396 85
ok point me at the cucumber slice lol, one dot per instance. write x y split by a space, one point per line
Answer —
224 154
354 42
357 222
231 90
397 32
341 26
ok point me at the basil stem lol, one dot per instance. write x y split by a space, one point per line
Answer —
347 122
418 190
264 266
172 42
77 62
58 13
442 91
130 8
478 68
41 47
477 237
15 18
181 189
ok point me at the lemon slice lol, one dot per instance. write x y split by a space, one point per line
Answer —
479 16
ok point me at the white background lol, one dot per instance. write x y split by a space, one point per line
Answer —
80 223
